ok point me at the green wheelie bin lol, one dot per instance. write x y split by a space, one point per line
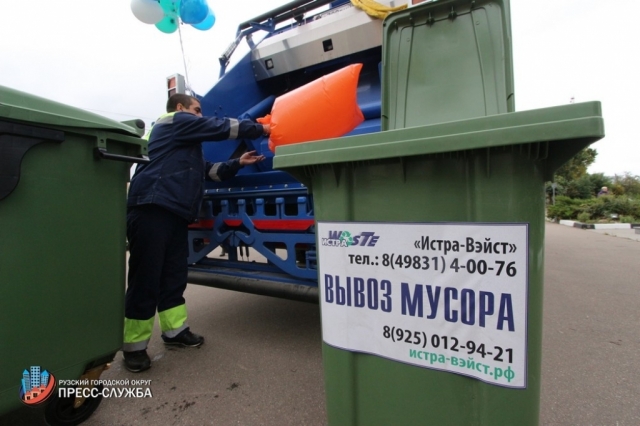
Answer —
430 234
63 178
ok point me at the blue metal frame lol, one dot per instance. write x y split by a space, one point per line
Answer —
234 214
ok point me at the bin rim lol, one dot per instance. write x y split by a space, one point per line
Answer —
25 107
566 122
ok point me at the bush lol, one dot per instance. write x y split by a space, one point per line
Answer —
576 192
627 219
584 217
565 208
604 207
625 206
600 207
594 209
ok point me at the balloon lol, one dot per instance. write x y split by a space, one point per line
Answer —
193 11
170 6
168 24
147 11
207 23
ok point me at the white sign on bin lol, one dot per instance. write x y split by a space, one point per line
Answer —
444 296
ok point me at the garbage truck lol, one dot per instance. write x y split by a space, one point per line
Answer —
264 218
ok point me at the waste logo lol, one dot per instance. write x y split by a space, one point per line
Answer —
345 239
36 386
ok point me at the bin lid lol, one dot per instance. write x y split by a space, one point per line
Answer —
447 60
25 107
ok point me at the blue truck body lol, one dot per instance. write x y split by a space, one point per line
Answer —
265 210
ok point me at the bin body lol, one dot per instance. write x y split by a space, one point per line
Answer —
62 239
489 171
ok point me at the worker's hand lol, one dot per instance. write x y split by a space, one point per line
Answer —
250 157
266 128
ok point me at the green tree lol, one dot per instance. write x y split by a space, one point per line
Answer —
572 170
578 165
581 188
627 184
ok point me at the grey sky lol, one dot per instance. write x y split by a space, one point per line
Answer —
96 55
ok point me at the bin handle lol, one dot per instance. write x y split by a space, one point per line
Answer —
100 148
102 153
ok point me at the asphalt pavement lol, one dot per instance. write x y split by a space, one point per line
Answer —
261 363
591 337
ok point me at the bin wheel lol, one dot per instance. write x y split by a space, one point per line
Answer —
60 411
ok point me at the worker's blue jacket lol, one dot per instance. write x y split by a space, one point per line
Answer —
174 177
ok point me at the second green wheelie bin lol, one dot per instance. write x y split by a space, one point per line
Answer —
63 178
430 234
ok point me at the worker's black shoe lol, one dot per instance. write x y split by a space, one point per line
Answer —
186 339
136 361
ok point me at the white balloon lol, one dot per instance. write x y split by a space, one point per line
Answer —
147 11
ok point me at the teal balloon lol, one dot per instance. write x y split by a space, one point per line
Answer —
169 24
193 11
207 23
170 6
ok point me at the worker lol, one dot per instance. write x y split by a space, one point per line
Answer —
164 197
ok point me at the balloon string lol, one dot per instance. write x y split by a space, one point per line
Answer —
184 61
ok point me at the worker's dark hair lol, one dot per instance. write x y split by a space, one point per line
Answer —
179 98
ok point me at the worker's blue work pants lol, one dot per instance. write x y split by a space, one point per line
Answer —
158 251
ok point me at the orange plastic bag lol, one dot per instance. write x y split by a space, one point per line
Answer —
325 108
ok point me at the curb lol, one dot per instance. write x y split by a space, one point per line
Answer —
599 225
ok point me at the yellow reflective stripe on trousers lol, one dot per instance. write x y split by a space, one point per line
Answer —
137 334
172 321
